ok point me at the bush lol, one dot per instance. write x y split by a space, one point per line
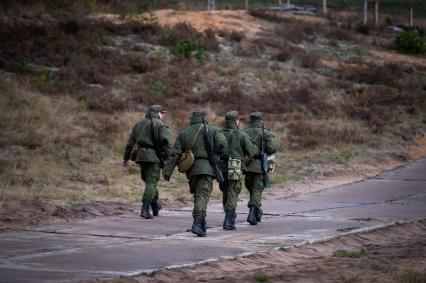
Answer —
237 36
186 49
363 29
46 79
157 88
304 59
410 42
183 31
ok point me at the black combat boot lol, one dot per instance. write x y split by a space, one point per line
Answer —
204 225
156 206
251 218
227 221
145 210
199 226
232 218
259 213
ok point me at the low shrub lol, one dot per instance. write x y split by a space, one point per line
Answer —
237 36
269 16
46 79
410 42
389 74
303 58
183 31
186 49
157 88
308 60
363 29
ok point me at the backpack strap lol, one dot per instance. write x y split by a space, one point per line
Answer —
258 135
195 137
230 134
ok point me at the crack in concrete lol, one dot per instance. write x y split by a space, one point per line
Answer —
398 179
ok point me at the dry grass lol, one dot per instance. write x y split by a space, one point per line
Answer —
63 131
49 142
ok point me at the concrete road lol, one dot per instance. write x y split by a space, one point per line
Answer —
129 245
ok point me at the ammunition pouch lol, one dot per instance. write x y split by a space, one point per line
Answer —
234 169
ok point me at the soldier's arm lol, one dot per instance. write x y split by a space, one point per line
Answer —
220 143
250 149
173 159
165 138
271 143
130 143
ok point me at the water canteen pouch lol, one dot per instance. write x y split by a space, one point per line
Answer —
134 152
187 159
271 163
234 169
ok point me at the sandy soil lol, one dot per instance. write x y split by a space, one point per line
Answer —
18 214
217 20
393 254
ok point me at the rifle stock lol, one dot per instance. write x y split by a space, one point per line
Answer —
212 159
264 159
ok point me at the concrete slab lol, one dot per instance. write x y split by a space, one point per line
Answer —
412 171
127 244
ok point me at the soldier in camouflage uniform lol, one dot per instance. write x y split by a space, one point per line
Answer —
147 157
254 175
201 174
240 146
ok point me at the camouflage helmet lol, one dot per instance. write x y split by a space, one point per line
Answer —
232 116
199 112
256 116
157 109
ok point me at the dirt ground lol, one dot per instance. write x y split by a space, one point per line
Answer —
392 254
18 214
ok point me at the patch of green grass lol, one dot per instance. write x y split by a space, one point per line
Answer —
343 279
186 49
261 277
410 276
346 154
346 254
46 79
276 179
308 172
157 88
23 65
2 13
73 199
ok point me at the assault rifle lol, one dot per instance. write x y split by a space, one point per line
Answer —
264 160
157 146
212 159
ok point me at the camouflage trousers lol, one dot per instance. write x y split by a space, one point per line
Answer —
254 184
201 186
231 190
150 173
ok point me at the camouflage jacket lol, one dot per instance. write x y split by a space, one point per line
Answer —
240 144
142 135
184 141
255 133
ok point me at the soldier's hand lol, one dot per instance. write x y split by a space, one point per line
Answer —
166 177
125 163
